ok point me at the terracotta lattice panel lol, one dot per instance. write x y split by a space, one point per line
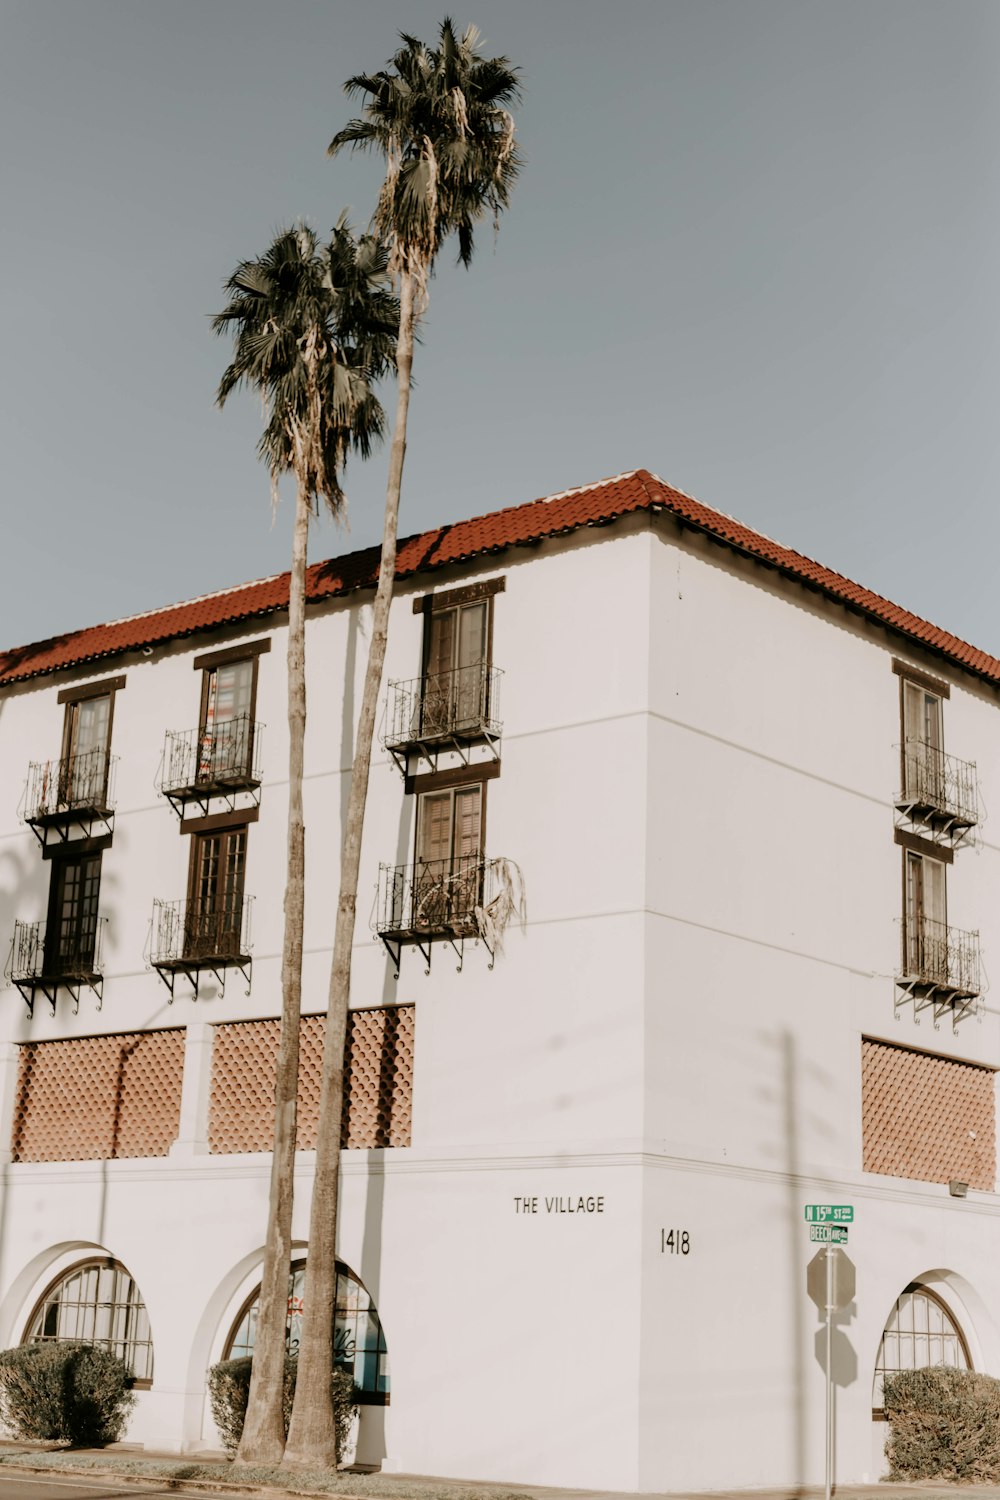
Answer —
378 1084
927 1117
100 1097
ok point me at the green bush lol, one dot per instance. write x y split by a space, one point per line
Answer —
67 1392
944 1424
229 1388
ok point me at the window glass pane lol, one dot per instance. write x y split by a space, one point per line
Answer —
912 1347
90 730
358 1339
100 1304
441 647
934 899
229 692
472 635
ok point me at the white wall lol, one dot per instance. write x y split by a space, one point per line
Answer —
697 775
773 939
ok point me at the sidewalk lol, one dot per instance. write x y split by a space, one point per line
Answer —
214 1474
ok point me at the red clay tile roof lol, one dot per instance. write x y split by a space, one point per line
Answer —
594 505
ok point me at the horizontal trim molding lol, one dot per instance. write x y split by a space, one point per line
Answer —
76 848
91 690
439 781
451 598
922 679
917 845
227 654
220 820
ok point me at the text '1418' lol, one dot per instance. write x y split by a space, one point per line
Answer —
675 1242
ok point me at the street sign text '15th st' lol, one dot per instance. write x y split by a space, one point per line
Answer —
829 1213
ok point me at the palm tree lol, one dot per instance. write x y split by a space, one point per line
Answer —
313 326
439 117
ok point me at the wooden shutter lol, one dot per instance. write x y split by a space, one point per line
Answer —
434 837
468 810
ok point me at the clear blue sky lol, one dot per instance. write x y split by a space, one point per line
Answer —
755 249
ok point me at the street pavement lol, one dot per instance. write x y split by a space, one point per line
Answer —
20 1483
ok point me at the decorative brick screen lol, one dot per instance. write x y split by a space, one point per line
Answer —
100 1097
927 1117
378 1084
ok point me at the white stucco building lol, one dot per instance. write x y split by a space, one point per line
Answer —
748 802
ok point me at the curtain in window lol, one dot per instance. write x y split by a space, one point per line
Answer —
86 769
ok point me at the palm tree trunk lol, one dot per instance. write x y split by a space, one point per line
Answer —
311 1439
263 1440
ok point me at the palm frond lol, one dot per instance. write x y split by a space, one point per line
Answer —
439 115
313 328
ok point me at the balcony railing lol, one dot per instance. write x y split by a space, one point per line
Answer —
69 958
188 936
940 958
438 899
444 708
938 788
206 762
77 787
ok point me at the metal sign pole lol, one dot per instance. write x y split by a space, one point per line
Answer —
830 1253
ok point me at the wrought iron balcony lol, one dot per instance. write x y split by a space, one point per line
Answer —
444 711
189 937
201 764
938 790
437 899
46 961
76 790
939 965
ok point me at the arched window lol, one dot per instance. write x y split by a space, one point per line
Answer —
920 1332
358 1340
98 1302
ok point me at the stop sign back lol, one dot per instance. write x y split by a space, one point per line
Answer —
844 1279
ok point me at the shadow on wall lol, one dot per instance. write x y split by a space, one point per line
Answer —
371 1447
820 1091
347 716
404 846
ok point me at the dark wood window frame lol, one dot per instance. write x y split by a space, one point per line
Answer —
917 845
226 826
216 821
236 751
452 780
439 781
199 926
922 679
453 599
71 698
472 593
62 856
210 661
108 687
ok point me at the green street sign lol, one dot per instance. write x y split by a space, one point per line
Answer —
828 1234
829 1213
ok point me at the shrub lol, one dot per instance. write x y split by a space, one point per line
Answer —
68 1392
229 1389
944 1424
